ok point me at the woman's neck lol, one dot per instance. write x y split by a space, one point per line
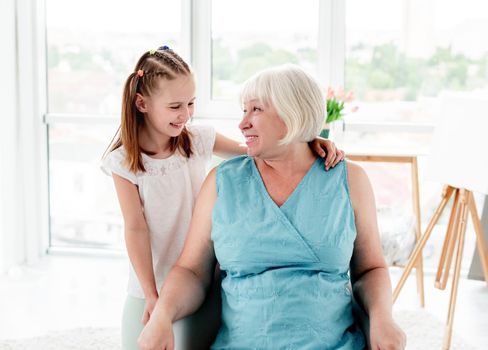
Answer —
294 159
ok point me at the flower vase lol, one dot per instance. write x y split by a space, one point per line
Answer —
336 133
324 133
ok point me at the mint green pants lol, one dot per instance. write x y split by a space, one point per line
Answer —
132 322
195 332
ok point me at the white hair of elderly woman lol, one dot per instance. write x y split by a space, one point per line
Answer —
294 94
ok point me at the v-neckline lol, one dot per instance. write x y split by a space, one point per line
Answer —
292 194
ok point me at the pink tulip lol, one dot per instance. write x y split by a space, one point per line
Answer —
350 96
330 93
340 93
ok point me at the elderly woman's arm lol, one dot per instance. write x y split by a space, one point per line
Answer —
369 272
185 287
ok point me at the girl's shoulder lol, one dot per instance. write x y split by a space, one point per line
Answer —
117 156
117 153
114 163
203 139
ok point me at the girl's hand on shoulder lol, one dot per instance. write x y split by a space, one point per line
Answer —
148 308
387 335
157 335
323 147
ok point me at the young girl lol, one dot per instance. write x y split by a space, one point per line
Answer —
158 164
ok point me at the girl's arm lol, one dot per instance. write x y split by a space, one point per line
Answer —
369 271
137 240
185 287
327 149
226 148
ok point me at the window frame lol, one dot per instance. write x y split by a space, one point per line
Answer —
330 54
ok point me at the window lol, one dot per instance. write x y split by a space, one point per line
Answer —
404 53
234 39
248 36
90 52
84 207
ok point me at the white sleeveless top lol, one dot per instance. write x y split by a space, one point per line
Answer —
168 190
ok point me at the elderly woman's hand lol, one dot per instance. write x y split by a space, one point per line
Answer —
386 335
323 147
157 335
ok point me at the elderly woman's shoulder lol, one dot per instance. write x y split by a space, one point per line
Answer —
355 172
237 165
237 162
359 185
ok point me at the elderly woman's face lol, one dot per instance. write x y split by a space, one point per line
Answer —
262 128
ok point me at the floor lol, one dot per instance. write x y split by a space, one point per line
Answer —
64 292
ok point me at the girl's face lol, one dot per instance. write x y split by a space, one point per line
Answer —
169 107
262 128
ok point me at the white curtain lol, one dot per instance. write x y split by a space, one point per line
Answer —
23 179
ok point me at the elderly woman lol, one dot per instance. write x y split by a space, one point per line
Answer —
286 234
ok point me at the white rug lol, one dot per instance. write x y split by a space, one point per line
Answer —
422 329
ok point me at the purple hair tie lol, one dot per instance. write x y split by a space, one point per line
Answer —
164 47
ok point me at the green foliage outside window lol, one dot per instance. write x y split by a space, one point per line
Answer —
376 73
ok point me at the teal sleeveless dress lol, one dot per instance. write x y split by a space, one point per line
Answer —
285 281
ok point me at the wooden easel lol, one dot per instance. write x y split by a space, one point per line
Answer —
456 230
381 157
